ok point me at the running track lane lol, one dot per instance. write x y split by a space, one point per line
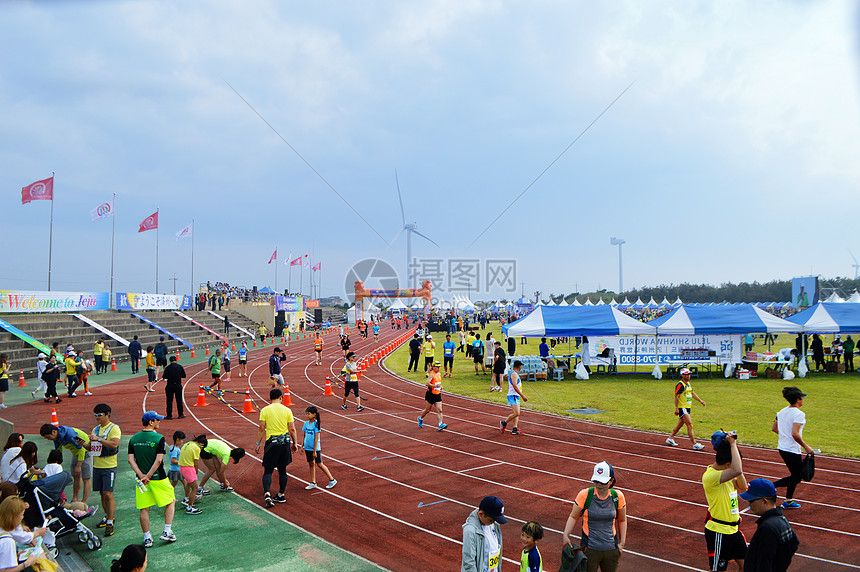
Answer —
404 492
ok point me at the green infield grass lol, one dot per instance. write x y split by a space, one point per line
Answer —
638 400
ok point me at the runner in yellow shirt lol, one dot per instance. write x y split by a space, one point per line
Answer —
722 481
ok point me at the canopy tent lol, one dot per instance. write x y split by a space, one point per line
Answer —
702 320
665 302
834 299
677 302
564 303
366 315
600 302
854 298
652 303
588 302
266 290
829 317
577 321
398 306
418 304
626 302
613 302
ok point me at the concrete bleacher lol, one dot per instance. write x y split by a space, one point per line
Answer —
65 329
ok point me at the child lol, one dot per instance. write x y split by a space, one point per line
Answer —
150 368
188 457
41 365
106 353
312 448
243 360
174 473
54 464
84 373
531 559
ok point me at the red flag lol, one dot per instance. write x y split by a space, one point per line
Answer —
149 222
274 256
39 191
296 262
318 266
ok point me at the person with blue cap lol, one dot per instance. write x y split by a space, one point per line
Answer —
722 480
146 450
774 542
482 537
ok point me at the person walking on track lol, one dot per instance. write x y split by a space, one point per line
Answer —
433 397
789 425
515 393
684 395
278 431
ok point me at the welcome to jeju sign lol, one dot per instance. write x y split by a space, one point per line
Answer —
29 301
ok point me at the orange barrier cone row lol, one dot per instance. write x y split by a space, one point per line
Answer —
192 353
249 407
178 358
201 398
113 364
287 399
207 350
328 390
54 421
21 381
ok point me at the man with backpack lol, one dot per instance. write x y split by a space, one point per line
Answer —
160 353
605 533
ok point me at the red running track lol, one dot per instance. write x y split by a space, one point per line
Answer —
404 492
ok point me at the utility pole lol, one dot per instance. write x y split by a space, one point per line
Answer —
174 283
617 241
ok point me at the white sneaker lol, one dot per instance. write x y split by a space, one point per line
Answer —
671 442
311 487
33 394
698 447
331 484
87 393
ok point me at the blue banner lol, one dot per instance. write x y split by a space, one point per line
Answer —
289 303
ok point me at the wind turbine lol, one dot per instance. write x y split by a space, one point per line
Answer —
618 242
855 265
409 227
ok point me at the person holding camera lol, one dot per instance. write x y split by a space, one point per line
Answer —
722 480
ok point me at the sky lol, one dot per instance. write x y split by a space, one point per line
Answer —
718 139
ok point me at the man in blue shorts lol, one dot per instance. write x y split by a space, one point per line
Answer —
146 450
514 395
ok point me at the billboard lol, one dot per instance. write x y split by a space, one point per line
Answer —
670 350
289 303
33 301
135 301
804 291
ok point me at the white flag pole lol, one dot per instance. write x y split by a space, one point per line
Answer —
193 291
112 235
51 232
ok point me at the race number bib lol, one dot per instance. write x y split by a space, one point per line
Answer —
494 561
95 449
733 501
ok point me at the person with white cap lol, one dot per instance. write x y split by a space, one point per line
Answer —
683 390
41 365
774 542
604 520
482 537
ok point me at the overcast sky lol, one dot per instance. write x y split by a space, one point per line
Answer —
733 156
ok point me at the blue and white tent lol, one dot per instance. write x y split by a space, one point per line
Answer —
718 319
826 317
577 321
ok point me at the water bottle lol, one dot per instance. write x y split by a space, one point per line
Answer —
140 486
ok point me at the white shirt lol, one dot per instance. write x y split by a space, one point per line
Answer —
8 554
491 545
785 421
5 468
52 469
585 352
514 376
785 354
19 467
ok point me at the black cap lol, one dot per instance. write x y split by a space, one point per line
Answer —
494 508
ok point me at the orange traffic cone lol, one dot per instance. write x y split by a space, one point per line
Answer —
201 398
178 358
54 421
249 407
21 381
264 340
282 338
112 363
192 353
207 350
234 349
255 345
287 401
328 390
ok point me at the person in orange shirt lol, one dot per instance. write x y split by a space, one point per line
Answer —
433 396
318 347
604 534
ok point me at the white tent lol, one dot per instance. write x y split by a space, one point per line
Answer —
626 302
418 304
677 302
600 302
398 306
834 298
588 302
854 298
613 302
564 302
576 302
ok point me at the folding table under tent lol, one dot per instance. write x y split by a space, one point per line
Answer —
828 317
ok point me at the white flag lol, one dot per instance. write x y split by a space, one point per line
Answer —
185 232
104 210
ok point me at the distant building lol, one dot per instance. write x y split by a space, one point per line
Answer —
331 301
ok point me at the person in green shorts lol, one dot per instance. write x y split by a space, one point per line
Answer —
146 451
216 456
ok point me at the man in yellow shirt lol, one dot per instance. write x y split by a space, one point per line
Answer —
72 361
722 481
278 429
98 351
103 447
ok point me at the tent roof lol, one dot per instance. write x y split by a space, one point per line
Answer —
576 321
718 319
564 303
397 305
829 317
834 298
854 298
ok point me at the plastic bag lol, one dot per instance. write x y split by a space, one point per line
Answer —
802 368
787 374
730 370
657 373
581 372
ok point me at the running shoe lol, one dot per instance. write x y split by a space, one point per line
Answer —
515 431
103 523
87 393
279 498
791 504
698 447
185 501
502 425
108 530
671 442
168 536
442 426
193 510
331 484
311 487
91 511
268 500
226 489
360 408
33 394
147 542
203 491
344 406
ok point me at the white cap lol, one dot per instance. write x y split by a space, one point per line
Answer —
684 371
41 355
603 472
72 354
429 337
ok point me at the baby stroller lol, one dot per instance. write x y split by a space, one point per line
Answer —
43 498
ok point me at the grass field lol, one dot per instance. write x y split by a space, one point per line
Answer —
638 400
